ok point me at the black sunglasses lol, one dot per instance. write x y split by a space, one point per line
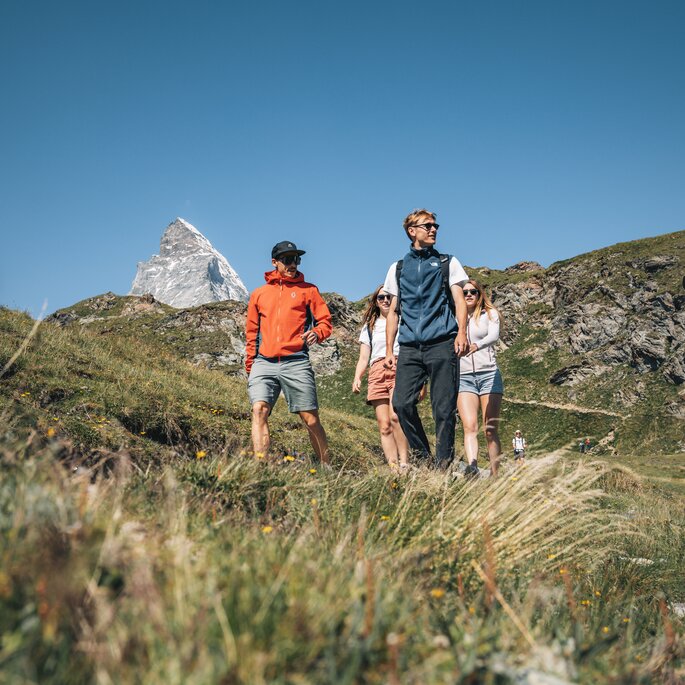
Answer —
427 227
471 291
289 259
383 298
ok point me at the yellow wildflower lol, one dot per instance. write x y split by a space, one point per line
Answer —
472 611
267 529
200 454
551 556
598 593
605 629
288 457
312 471
437 592
514 478
142 432
385 518
314 501
626 619
563 571
51 432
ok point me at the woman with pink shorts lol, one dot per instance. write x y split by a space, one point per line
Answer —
381 381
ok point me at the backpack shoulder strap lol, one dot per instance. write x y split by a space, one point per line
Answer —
445 268
398 272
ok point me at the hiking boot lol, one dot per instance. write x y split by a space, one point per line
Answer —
472 471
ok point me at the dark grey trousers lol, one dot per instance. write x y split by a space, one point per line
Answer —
439 363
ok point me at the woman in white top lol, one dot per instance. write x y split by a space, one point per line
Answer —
480 381
381 380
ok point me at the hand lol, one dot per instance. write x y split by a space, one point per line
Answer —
356 385
310 338
423 392
472 348
461 345
389 362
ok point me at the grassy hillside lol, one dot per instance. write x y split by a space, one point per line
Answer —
140 541
120 391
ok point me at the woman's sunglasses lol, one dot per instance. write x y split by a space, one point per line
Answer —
383 298
471 291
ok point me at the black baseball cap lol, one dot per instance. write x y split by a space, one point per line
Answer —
283 247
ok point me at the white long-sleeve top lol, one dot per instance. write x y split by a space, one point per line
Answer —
484 333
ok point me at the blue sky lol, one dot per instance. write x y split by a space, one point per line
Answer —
536 130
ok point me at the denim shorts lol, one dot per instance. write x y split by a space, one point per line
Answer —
295 377
482 382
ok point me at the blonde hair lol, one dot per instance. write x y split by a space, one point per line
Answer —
410 219
484 303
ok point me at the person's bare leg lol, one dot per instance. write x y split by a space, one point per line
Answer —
261 440
398 434
467 405
317 435
385 428
490 407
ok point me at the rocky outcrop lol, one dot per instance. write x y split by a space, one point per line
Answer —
522 267
656 263
602 314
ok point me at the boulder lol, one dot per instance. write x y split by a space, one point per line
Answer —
655 263
575 373
523 266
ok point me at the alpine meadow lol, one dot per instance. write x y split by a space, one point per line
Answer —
143 542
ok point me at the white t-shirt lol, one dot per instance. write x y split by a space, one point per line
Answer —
457 276
518 443
377 340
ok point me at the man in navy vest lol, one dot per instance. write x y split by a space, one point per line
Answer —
432 336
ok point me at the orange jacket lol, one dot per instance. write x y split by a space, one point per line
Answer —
277 315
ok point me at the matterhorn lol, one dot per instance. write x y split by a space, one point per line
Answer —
188 271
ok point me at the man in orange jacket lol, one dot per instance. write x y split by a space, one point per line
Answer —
285 318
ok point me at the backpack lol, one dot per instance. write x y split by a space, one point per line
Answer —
444 268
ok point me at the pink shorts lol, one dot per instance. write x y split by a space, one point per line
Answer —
381 382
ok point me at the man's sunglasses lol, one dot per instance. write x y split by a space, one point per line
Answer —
428 226
383 298
471 291
289 259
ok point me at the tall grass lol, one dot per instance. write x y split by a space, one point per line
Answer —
236 570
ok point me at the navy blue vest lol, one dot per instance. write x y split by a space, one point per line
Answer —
426 315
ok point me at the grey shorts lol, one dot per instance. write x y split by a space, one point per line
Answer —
482 382
294 377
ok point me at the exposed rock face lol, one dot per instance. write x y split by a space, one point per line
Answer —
523 266
188 271
656 263
602 313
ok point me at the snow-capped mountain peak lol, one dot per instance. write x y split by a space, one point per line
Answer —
188 271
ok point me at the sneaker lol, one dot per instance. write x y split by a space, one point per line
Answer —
472 471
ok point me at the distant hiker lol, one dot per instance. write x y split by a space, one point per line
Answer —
480 380
588 445
381 379
581 446
285 318
519 445
426 291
